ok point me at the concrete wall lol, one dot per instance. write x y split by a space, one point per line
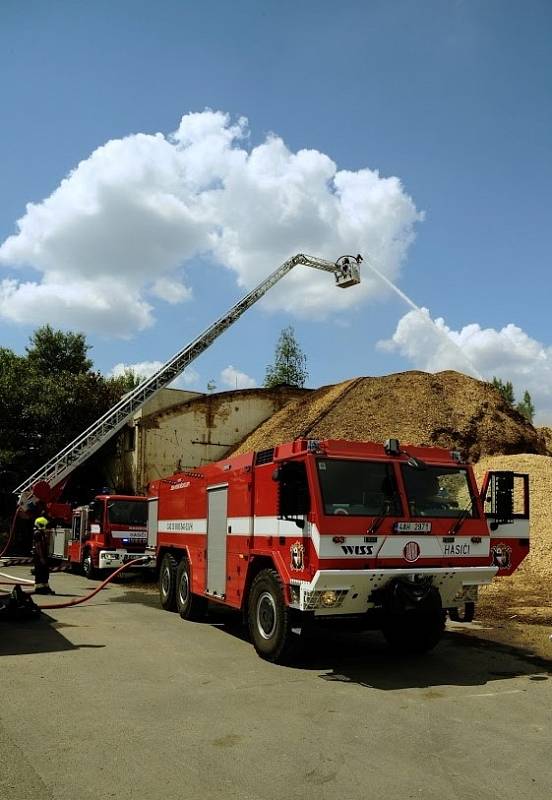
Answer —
200 430
121 462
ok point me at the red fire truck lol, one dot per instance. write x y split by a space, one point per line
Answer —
103 535
397 537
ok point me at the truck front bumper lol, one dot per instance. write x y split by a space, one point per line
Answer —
342 591
112 559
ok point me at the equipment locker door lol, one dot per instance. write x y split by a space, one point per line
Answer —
217 523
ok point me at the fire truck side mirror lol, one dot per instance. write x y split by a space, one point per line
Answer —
277 474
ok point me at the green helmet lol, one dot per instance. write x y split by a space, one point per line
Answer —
41 522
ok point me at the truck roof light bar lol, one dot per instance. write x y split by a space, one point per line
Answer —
392 447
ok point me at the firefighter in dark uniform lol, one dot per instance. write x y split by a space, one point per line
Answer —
41 542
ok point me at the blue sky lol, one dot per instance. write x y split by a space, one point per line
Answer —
452 98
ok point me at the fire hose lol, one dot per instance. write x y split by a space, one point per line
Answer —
15 578
78 600
12 531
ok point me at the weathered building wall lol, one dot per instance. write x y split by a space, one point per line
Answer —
201 430
121 465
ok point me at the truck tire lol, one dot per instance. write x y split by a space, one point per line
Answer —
88 569
414 632
190 606
167 582
269 618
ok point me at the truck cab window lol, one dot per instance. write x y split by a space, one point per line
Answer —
293 490
128 512
358 488
76 527
95 512
438 492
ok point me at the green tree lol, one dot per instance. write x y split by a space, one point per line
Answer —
47 398
126 382
54 352
290 363
505 389
526 407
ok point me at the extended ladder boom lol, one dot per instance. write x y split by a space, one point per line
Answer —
347 273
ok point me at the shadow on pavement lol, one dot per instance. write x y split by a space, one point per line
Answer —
38 635
457 661
363 658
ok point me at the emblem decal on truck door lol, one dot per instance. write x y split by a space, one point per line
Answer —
411 551
297 552
501 555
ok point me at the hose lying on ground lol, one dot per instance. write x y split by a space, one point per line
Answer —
19 601
77 601
15 578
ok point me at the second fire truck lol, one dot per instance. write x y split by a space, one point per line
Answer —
100 536
397 537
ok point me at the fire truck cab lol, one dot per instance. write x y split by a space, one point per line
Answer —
103 535
394 536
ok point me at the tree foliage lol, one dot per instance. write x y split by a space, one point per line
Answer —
47 398
505 389
54 352
524 407
290 363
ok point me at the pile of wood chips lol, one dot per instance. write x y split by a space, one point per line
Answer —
546 435
447 409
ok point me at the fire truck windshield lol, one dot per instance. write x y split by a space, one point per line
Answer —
128 512
438 492
358 488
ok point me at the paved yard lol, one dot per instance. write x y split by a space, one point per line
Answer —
118 699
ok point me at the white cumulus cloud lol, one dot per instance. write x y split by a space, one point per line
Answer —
235 379
145 369
508 353
172 291
113 238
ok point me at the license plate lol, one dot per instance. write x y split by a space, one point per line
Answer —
412 527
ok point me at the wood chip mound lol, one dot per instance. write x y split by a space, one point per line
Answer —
446 409
546 435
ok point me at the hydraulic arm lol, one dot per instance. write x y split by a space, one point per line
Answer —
347 273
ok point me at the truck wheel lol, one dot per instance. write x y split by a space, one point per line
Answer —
167 582
466 616
269 618
414 632
189 606
88 568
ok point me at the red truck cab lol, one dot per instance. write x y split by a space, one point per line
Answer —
104 534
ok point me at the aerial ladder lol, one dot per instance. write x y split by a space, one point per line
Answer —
52 474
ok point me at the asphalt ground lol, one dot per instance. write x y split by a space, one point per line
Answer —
119 699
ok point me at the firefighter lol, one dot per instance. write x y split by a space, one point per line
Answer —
41 540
